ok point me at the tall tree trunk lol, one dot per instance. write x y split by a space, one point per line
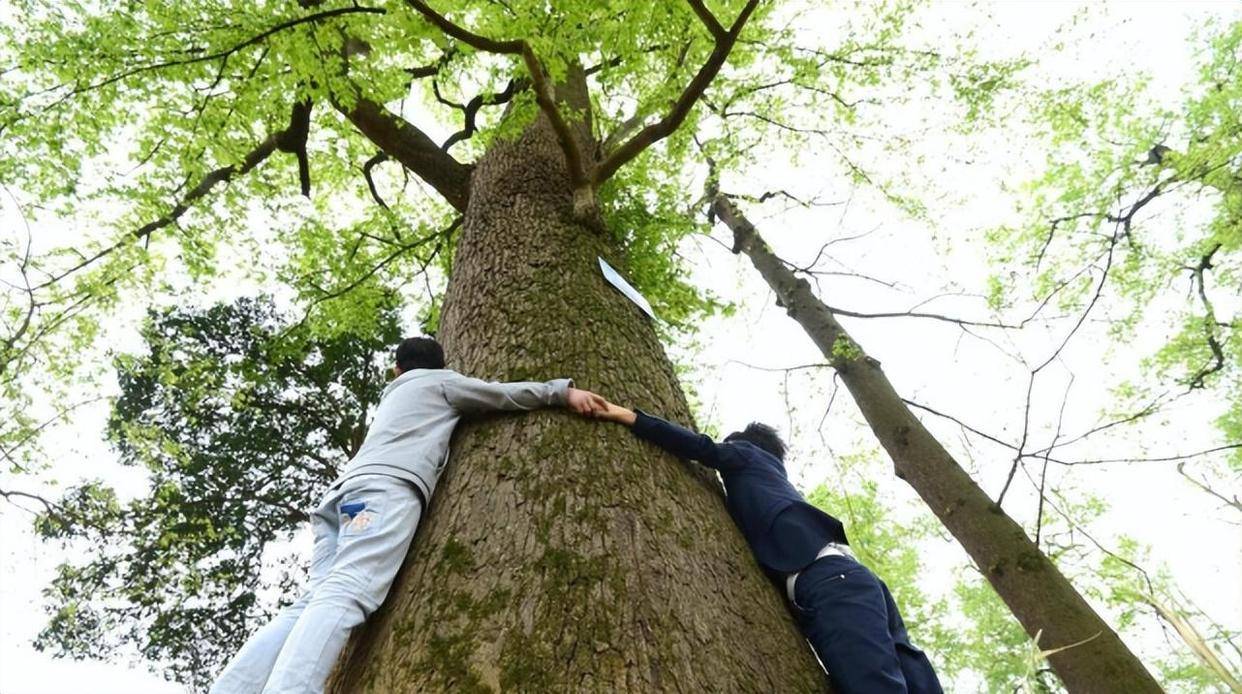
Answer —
1036 592
562 554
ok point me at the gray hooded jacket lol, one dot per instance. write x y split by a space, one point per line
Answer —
409 438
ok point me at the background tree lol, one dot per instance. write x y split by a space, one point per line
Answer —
1035 590
1080 252
240 419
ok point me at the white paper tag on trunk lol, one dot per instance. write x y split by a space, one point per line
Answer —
630 292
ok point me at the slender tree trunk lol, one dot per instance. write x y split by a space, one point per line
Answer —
562 554
1036 592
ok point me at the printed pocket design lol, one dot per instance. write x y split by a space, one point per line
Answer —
358 519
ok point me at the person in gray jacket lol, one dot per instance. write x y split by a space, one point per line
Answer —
368 516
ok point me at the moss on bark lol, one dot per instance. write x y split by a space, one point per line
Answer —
562 554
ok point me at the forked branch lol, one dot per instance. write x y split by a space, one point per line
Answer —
545 95
584 176
689 97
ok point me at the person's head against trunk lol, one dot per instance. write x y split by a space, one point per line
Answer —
763 436
419 353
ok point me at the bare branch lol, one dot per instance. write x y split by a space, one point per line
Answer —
49 509
1095 297
780 369
1045 452
1052 230
928 316
23 268
1161 459
977 432
1021 448
1043 473
1148 409
1235 502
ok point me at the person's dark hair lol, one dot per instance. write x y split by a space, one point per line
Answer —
763 436
419 353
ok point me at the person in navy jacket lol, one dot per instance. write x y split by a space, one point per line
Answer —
846 613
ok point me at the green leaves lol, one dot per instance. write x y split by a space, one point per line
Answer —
150 134
1149 196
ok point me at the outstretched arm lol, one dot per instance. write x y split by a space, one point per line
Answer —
675 439
467 394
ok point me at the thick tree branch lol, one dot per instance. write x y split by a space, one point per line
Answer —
545 96
464 35
293 140
709 20
413 148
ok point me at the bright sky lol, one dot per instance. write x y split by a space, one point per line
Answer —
931 363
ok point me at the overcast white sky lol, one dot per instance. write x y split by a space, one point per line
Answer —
931 363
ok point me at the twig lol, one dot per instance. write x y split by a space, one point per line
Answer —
1043 474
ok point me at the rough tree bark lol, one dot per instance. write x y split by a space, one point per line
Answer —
562 554
1036 592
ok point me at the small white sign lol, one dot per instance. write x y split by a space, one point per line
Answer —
630 292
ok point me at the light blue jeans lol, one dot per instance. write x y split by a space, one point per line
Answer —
362 532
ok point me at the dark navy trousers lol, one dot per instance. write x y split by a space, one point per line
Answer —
850 619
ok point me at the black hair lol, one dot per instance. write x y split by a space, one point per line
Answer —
763 436
419 353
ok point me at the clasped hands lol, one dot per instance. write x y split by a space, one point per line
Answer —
589 404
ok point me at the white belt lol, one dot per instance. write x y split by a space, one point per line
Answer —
830 549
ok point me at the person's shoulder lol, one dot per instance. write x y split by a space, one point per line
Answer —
752 452
417 379
744 447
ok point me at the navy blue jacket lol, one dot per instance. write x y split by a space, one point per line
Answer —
783 530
